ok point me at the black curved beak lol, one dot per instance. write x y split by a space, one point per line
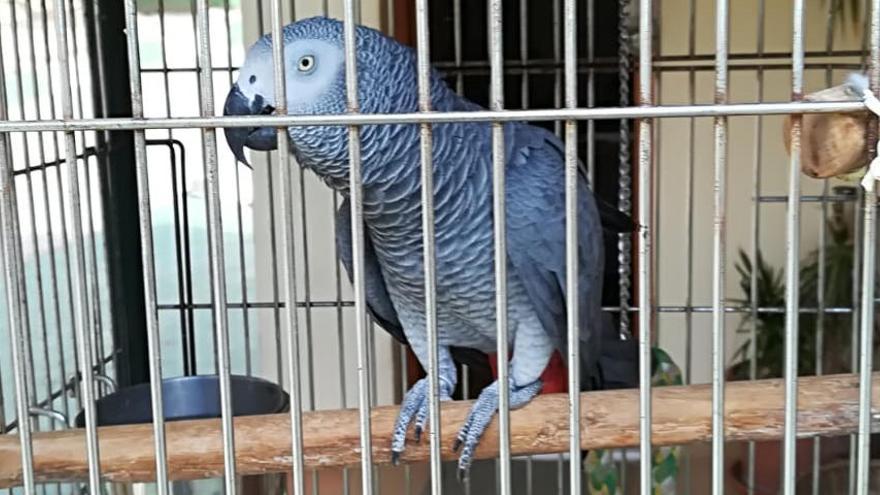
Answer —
256 138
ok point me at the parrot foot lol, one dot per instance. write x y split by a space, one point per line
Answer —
415 406
481 415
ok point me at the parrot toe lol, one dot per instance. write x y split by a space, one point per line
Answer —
481 415
415 407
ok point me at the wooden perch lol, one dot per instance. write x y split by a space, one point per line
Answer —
754 411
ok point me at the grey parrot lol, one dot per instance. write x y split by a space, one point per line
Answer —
462 166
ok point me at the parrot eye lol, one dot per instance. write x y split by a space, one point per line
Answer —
306 63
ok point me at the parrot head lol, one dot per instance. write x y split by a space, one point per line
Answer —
314 63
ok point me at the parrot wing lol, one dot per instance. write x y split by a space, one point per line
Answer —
536 249
379 304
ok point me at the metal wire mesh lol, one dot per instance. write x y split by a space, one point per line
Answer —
226 252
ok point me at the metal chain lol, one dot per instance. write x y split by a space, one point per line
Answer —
624 193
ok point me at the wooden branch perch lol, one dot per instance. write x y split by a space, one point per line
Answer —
754 411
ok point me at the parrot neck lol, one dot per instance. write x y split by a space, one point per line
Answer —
390 154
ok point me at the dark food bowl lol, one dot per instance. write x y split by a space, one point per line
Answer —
189 397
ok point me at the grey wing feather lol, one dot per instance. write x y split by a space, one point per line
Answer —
536 241
379 303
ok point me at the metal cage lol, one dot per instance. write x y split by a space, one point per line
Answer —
125 262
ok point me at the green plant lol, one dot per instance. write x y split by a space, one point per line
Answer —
769 327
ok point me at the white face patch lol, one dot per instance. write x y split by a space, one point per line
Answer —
256 75
312 66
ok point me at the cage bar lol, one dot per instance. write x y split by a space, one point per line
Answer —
792 269
286 190
215 245
718 249
357 234
153 339
571 249
429 244
82 323
866 351
13 276
598 113
644 254
755 239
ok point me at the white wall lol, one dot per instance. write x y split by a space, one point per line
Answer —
672 162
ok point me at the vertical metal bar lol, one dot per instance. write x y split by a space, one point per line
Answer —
863 472
92 251
306 274
854 327
792 247
823 243
245 313
557 72
755 241
644 254
286 191
215 231
718 248
307 295
186 329
496 99
143 183
456 41
273 246
357 229
524 96
206 77
524 51
404 373
13 276
50 235
307 284
557 128
591 90
99 90
65 242
689 207
78 268
571 248
339 323
459 88
430 268
866 65
99 62
38 272
864 46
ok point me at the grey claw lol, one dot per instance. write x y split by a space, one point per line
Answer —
395 458
418 434
462 475
456 445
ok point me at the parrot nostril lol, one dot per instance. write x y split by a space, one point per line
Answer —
252 79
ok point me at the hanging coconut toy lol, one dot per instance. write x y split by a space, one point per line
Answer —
834 144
